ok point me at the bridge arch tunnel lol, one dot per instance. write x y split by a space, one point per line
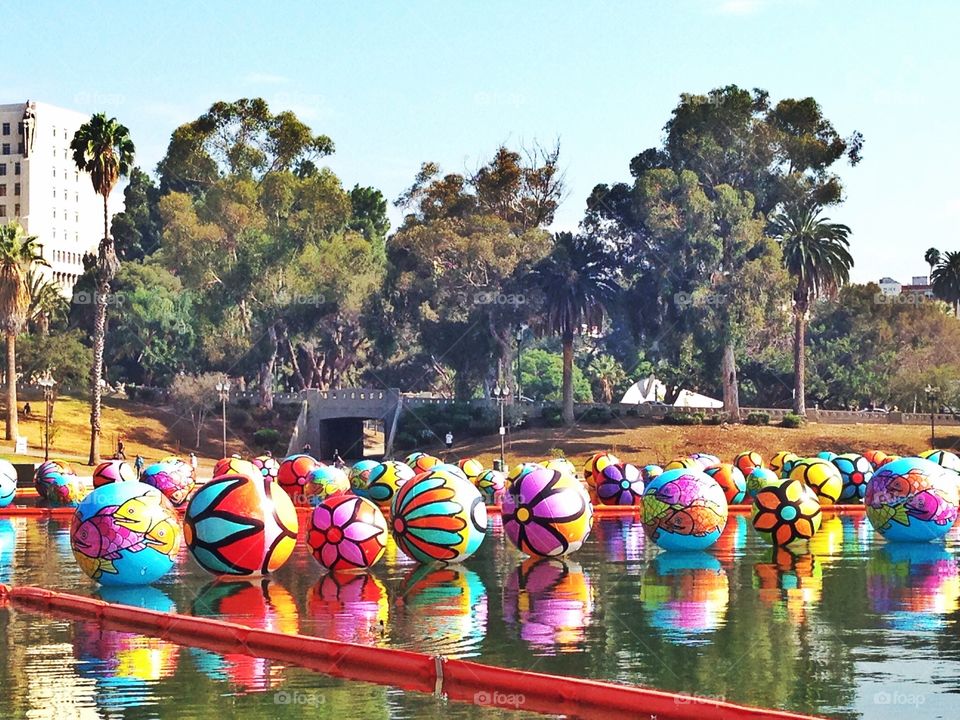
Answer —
344 435
333 421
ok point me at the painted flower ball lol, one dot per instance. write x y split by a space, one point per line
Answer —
747 461
782 462
240 525
292 475
125 533
683 463
112 471
173 479
347 532
821 475
326 481
267 465
360 476
385 479
595 465
57 483
787 512
912 500
471 467
684 509
731 480
491 484
761 477
8 482
855 471
943 458
547 513
620 484
438 516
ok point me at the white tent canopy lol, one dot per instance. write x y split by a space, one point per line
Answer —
652 390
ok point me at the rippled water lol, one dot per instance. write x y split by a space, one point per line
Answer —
851 627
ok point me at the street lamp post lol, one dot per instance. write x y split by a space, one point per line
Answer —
224 389
520 329
501 394
47 382
932 393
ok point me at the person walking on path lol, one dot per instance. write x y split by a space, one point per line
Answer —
121 455
193 463
448 441
138 465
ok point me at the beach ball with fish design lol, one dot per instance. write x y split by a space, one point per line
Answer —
912 500
729 477
125 533
438 516
111 471
173 479
620 484
57 483
820 475
547 513
8 482
347 532
684 509
385 479
786 512
855 472
239 525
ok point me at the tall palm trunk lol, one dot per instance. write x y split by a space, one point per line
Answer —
799 360
13 427
568 379
96 372
731 390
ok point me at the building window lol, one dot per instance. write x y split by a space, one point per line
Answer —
54 213
16 168
3 210
76 218
54 130
64 153
6 128
64 195
54 152
16 188
54 172
76 177
5 149
76 197
54 193
20 148
3 169
16 210
3 190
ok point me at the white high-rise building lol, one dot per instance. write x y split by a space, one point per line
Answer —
41 188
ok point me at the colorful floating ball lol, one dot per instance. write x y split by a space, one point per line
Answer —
125 533
826 455
547 513
620 484
347 532
705 459
855 471
682 463
450 469
8 482
684 509
292 475
385 479
747 461
875 457
730 480
267 465
561 465
438 516
761 477
595 465
782 462
235 466
57 483
360 476
821 475
471 467
887 460
491 484
112 471
912 500
787 512
649 472
326 481
173 479
239 525
943 458
420 462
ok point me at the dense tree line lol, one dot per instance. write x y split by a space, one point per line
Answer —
713 268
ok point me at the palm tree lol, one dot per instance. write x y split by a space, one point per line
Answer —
102 147
577 280
46 302
816 253
932 258
945 280
18 253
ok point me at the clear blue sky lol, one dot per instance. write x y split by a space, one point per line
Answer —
398 83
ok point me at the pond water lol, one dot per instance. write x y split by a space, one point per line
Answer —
850 627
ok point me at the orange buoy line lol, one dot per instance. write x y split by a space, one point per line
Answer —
459 680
